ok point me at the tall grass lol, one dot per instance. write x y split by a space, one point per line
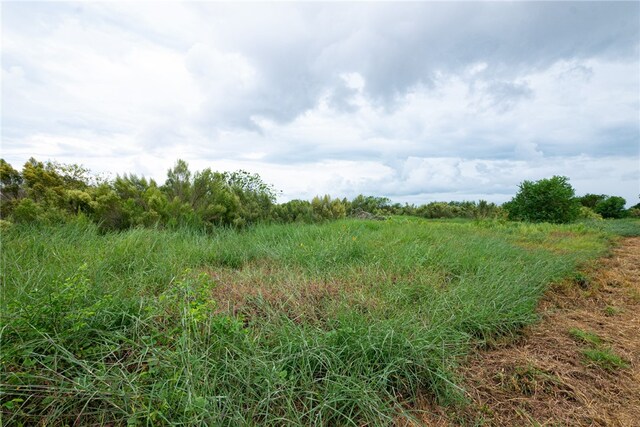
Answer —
124 328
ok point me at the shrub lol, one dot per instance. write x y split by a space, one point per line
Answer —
588 213
436 210
27 211
547 200
611 207
326 208
591 200
293 211
370 204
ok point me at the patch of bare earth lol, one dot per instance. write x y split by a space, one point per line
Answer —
544 378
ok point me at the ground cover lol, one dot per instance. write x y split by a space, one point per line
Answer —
342 323
578 366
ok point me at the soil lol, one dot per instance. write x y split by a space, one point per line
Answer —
545 378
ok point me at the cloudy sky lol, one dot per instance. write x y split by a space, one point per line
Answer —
413 101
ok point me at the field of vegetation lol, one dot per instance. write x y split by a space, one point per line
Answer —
341 323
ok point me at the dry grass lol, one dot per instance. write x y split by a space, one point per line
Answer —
544 378
258 289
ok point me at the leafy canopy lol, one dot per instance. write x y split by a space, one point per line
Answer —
547 200
611 207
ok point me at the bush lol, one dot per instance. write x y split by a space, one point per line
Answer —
326 208
587 213
547 200
591 200
611 207
27 211
293 211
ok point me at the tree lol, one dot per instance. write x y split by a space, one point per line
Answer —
326 208
611 207
10 188
370 204
547 200
591 200
256 197
178 183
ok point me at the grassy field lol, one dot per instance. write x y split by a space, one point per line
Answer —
338 324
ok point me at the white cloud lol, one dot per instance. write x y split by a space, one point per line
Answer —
331 98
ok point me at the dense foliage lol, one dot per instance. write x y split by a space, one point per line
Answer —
51 192
547 200
611 207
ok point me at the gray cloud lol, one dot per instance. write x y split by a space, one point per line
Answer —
435 98
394 48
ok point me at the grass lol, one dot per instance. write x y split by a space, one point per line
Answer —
597 353
610 311
585 337
344 323
604 358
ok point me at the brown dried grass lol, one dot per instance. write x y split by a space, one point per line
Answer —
543 379
259 289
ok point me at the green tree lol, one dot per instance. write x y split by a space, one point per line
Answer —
178 183
10 188
370 204
547 200
611 207
214 201
591 200
293 211
256 197
325 208
128 202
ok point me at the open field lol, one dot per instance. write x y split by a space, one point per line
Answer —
343 323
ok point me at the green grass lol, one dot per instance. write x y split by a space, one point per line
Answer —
596 352
585 337
612 311
623 227
337 324
605 358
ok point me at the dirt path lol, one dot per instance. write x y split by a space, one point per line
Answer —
546 378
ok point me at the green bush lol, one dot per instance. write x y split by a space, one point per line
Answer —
293 211
588 213
547 200
611 207
325 208
27 211
591 200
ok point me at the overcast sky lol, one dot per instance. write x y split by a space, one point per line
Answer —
413 101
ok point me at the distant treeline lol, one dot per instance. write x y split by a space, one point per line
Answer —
52 192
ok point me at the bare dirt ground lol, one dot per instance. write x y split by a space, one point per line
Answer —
545 378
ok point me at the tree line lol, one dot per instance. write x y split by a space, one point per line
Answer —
53 192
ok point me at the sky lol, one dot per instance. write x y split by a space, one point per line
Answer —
418 102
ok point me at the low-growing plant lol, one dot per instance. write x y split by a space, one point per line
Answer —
612 311
605 358
585 337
